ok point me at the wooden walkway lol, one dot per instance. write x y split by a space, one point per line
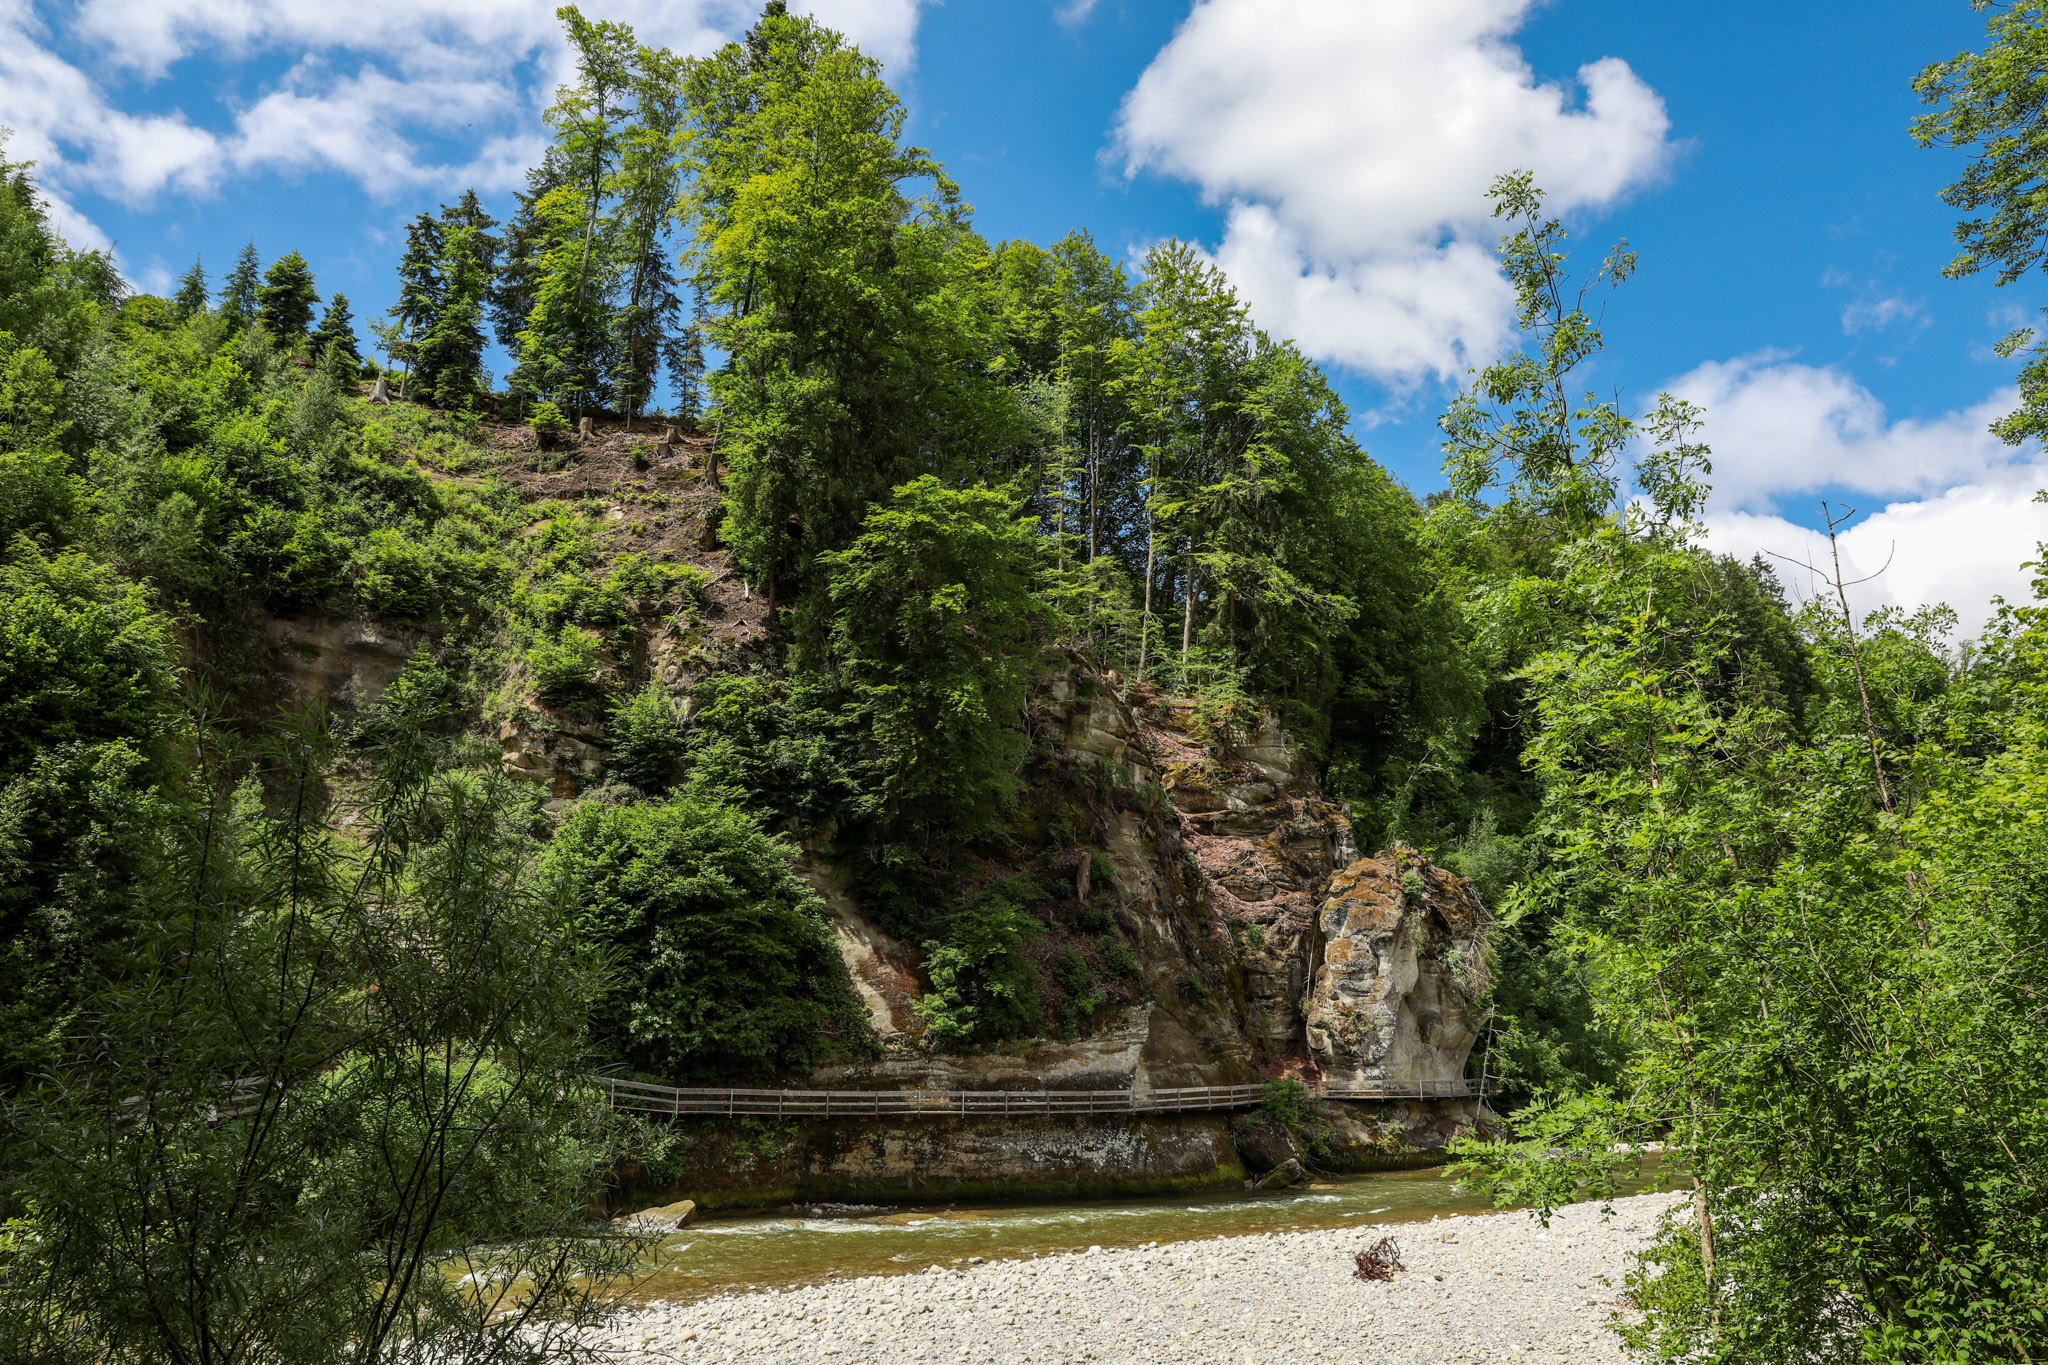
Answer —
639 1097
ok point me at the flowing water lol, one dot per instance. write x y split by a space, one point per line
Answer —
814 1243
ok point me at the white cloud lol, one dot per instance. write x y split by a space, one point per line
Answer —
1355 143
1073 13
1779 429
367 83
1961 547
1954 518
1877 314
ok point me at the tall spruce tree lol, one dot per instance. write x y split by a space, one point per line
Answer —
686 362
337 332
523 253
451 368
192 296
469 212
238 290
286 297
418 305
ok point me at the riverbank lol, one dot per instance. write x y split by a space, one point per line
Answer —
1477 1288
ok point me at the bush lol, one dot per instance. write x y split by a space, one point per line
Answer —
548 423
779 745
724 965
983 990
648 740
566 668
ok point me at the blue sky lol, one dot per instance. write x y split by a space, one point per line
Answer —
1331 154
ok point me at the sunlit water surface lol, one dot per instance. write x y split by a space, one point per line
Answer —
813 1243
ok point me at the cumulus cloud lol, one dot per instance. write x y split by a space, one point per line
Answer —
1954 517
368 87
1962 547
1781 429
1355 142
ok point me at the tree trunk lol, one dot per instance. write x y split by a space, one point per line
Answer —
1187 618
380 394
1145 624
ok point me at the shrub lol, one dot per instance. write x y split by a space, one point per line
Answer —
724 965
1120 960
548 423
648 739
396 575
982 989
566 668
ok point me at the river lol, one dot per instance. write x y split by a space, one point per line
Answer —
816 1243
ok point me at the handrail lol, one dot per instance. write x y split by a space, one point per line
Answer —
642 1097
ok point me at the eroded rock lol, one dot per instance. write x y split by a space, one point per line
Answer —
1396 997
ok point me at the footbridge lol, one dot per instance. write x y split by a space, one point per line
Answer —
640 1097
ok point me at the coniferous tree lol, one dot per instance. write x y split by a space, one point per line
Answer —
238 291
286 297
191 298
469 212
451 365
686 362
418 306
338 332
522 258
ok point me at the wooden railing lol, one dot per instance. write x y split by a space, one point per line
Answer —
640 1097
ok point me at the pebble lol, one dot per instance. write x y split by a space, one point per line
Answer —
1479 1288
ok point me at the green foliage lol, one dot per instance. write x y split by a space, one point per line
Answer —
548 423
192 296
983 990
931 635
319 1137
648 742
39 496
779 745
337 334
284 301
566 668
724 967
1990 103
450 354
1769 864
851 308
238 292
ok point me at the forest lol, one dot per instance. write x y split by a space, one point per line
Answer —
1770 878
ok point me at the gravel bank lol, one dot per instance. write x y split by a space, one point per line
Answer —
1493 1287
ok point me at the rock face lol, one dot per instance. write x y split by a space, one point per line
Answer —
1396 996
924 1160
345 663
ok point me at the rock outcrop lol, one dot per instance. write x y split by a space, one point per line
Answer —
1396 995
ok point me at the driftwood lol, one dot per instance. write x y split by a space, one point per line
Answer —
1380 1260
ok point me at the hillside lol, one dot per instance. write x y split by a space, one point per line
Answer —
844 651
